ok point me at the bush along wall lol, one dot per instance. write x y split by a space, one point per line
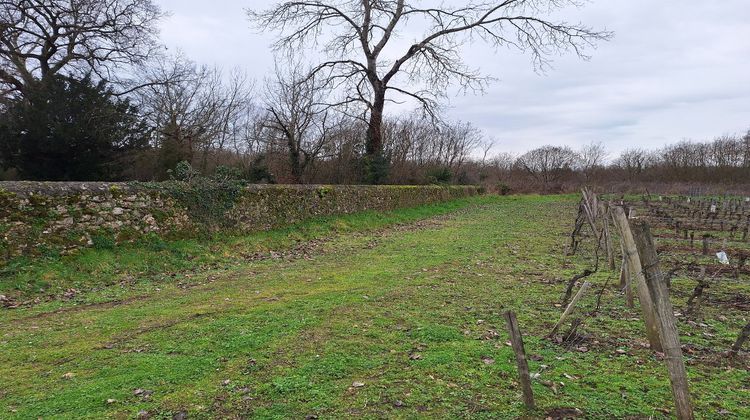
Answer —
38 218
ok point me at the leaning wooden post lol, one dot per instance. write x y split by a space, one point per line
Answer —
641 288
625 278
590 212
623 267
570 307
608 237
523 366
670 337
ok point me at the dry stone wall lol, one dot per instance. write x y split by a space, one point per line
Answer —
41 217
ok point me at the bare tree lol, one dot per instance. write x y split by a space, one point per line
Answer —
192 109
455 143
411 140
41 38
592 158
504 162
727 152
633 162
297 117
548 164
485 146
349 29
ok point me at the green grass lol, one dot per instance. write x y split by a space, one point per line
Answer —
410 311
152 260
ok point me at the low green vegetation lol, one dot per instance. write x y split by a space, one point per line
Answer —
375 315
152 260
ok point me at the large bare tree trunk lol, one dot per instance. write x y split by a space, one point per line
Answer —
376 166
294 162
375 127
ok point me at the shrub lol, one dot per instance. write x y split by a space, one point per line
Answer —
441 175
207 199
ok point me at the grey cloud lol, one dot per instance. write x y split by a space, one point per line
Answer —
675 70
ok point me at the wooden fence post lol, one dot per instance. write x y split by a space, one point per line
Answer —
625 277
634 263
523 366
608 237
570 307
590 210
670 338
623 267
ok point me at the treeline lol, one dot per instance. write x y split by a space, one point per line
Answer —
87 93
67 129
724 160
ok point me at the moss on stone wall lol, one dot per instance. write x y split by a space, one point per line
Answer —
60 218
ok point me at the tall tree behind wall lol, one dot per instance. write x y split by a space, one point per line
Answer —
40 39
356 37
66 129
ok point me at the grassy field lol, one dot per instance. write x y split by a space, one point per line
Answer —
371 315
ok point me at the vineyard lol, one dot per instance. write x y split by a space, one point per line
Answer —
685 258
704 240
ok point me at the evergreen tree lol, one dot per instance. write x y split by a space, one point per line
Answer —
67 129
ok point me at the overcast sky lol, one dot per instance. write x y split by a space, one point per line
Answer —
675 70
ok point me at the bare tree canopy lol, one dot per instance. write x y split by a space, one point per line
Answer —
593 156
548 164
42 38
297 118
354 34
193 109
